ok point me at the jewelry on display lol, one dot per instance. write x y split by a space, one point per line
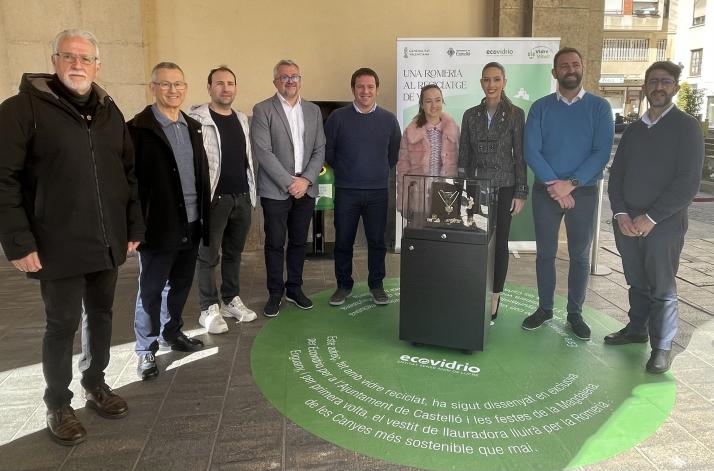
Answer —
448 198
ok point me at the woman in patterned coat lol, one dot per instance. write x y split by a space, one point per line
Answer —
491 146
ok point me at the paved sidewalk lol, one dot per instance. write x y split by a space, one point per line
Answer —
204 412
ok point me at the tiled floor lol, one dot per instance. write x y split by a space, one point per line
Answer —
204 411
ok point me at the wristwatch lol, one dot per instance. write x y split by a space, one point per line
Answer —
575 182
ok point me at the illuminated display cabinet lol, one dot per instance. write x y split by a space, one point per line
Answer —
446 261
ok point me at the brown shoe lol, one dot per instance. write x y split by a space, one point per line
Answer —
106 402
64 427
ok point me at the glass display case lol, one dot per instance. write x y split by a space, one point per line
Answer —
446 261
451 203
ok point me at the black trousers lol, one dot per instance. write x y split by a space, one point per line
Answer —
503 229
230 223
63 300
289 217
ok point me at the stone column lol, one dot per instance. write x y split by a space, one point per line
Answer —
5 87
579 24
27 30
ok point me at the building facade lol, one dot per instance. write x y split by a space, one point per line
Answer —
327 41
636 33
694 51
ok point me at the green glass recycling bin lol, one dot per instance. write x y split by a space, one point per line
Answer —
325 201
326 189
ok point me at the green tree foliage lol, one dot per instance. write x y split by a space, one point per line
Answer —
690 99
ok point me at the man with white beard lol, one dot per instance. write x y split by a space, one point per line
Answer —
69 214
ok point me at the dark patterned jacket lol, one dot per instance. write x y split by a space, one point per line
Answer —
496 152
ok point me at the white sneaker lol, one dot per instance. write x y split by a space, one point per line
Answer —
212 321
238 310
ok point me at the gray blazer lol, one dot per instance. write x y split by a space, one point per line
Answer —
273 148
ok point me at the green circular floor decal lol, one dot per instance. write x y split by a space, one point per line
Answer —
540 400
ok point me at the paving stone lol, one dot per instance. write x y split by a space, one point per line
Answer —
683 453
185 453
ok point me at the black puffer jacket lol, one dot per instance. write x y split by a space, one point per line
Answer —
67 189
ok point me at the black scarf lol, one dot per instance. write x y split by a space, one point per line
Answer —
84 104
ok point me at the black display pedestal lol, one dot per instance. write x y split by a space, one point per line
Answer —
445 287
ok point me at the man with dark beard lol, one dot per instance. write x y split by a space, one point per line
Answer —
568 138
653 179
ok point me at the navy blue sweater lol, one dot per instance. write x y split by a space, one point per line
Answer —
656 170
361 148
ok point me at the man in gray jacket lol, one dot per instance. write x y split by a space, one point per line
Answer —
289 144
653 179
230 168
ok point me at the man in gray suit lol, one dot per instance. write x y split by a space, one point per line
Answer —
653 179
289 144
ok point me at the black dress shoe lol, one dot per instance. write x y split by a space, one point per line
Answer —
106 402
621 337
185 344
660 361
64 427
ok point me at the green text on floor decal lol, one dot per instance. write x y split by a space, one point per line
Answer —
537 400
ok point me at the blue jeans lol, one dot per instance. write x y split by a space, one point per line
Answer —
547 216
371 206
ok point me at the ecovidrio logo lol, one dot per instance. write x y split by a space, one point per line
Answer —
440 364
503 51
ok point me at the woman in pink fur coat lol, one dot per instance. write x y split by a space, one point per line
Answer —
430 144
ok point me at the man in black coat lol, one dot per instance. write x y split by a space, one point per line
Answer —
174 190
68 216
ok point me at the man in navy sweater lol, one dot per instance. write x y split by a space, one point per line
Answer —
653 179
362 146
568 138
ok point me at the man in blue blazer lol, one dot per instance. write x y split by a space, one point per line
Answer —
289 144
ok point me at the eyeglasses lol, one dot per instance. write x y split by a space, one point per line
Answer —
289 78
167 85
70 58
665 82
